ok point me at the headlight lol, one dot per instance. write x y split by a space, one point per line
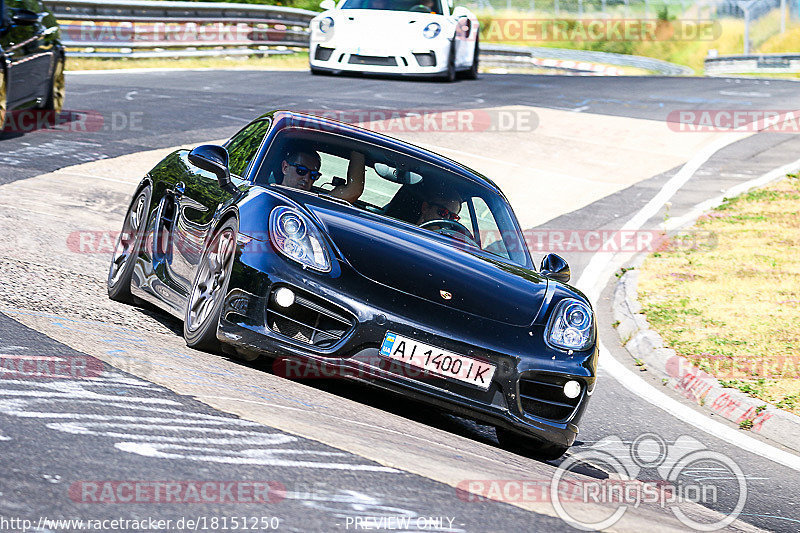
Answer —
431 30
326 24
571 325
296 237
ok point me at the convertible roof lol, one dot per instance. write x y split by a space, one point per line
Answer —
284 119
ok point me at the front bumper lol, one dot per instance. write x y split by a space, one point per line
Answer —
428 60
355 355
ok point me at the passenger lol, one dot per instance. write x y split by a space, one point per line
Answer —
301 169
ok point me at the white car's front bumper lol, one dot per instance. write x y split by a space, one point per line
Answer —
431 59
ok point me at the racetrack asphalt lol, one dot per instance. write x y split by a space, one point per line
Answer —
189 107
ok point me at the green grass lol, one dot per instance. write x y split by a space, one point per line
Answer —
298 61
733 308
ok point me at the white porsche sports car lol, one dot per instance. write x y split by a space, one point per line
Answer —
410 37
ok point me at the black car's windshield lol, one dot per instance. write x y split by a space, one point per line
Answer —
421 6
396 185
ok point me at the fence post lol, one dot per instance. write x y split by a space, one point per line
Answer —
746 30
580 8
783 16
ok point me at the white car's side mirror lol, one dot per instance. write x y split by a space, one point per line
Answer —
460 11
450 4
327 4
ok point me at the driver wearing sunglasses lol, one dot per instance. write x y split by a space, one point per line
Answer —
443 204
301 169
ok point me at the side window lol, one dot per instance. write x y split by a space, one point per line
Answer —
491 237
377 191
242 148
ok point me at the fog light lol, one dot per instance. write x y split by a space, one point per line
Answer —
285 297
572 389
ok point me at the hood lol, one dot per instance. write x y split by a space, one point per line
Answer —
373 25
422 263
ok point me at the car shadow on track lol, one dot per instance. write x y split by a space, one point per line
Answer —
414 410
381 399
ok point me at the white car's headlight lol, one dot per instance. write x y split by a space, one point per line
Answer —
326 24
296 237
431 30
571 325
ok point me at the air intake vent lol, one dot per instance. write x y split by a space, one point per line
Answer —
372 60
426 60
309 319
322 53
542 395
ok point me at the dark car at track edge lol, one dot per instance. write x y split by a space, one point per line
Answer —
32 58
451 312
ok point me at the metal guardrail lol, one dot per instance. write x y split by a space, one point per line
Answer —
754 63
145 28
583 56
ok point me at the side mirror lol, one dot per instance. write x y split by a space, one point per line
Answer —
214 159
24 17
554 266
327 4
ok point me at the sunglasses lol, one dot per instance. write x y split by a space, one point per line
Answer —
445 213
302 170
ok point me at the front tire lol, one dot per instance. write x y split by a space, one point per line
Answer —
515 442
449 75
129 242
472 73
204 307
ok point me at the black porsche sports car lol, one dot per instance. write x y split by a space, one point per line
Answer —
31 58
422 285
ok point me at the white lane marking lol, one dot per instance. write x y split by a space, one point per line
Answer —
593 273
689 416
736 190
263 457
178 435
237 118
754 94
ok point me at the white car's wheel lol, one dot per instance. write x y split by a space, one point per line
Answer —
450 74
472 73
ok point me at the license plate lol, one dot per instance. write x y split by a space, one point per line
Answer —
438 361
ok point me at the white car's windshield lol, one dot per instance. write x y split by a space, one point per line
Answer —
420 6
